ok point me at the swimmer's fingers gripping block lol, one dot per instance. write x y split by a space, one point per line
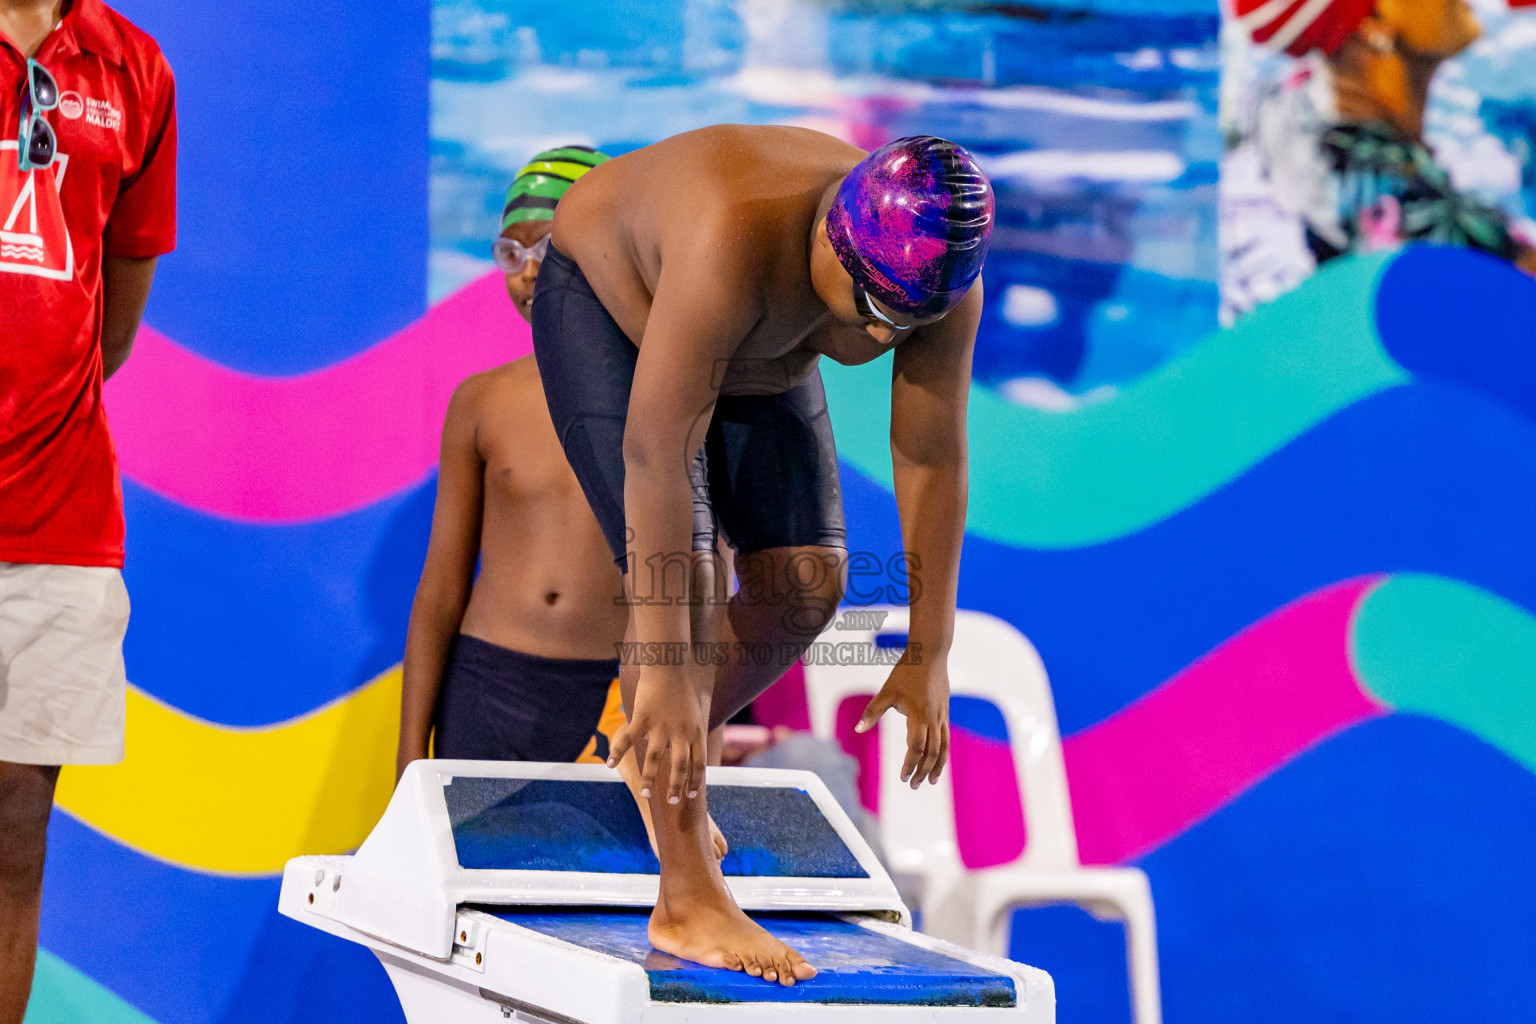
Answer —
520 833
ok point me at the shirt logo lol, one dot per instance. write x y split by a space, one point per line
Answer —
103 114
34 237
71 105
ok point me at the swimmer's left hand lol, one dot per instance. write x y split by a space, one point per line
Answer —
921 693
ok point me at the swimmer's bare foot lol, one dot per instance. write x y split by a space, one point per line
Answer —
696 918
629 771
714 932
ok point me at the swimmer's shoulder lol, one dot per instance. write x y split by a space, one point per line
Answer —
754 143
511 387
509 401
720 164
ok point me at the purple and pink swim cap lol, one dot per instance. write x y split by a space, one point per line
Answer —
911 224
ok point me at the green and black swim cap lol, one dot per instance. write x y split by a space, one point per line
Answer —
540 184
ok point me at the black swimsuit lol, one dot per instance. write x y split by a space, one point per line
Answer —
767 473
497 704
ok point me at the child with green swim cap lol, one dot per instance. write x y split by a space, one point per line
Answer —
528 216
518 661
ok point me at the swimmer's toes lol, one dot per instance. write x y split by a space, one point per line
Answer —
730 940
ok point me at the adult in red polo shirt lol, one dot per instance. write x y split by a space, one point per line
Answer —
78 241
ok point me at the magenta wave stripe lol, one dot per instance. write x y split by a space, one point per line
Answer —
1167 761
989 813
1173 757
318 444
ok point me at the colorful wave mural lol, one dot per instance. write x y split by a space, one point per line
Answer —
229 799
1285 586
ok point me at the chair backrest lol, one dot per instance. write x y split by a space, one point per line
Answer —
990 660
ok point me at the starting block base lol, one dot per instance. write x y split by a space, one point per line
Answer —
496 891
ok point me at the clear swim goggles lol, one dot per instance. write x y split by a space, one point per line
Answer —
512 256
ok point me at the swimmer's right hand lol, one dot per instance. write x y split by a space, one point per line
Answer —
668 731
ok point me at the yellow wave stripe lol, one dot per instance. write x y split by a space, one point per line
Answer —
243 800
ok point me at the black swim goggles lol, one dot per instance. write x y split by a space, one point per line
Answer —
866 307
36 145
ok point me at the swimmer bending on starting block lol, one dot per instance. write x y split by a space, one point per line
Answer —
518 662
678 318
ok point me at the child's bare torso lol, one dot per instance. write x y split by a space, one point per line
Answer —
547 584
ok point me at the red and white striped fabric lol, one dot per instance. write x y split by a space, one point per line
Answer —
1300 26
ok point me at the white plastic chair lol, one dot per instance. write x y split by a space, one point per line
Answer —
990 660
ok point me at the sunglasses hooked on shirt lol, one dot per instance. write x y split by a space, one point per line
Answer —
36 144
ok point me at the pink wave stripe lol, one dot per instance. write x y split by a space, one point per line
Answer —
863 747
318 444
989 812
783 703
1164 763
1176 755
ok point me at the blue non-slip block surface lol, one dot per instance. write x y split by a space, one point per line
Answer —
855 964
565 825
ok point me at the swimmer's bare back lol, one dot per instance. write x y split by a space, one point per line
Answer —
728 210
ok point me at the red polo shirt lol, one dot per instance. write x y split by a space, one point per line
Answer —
110 192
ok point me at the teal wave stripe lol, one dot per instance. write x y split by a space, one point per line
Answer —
1051 480
1449 650
63 995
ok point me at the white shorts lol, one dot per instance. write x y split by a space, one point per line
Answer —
63 692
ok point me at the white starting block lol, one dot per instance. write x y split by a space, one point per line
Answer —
496 890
